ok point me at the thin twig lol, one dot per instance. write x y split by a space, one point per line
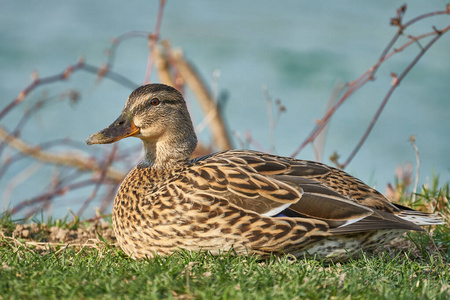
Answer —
401 27
251 141
108 197
56 192
30 111
365 77
153 38
111 52
353 87
19 126
395 83
18 180
68 159
21 155
103 71
100 180
81 65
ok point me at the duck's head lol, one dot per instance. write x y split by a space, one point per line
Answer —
157 114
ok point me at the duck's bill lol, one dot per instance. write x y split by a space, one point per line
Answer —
121 128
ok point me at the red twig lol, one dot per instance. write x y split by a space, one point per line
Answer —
104 71
427 15
20 125
49 195
62 186
354 86
111 52
108 198
401 27
99 181
369 74
28 113
81 65
17 157
153 38
395 83
251 141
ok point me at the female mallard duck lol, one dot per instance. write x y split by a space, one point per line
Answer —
247 201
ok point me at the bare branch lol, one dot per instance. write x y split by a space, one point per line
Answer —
100 180
81 65
163 67
209 106
68 159
353 86
52 194
111 52
153 38
395 83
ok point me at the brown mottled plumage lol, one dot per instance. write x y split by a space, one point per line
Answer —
247 201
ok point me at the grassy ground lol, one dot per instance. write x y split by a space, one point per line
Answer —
76 259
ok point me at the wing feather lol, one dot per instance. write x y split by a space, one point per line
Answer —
271 185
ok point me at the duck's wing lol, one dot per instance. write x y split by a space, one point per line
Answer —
278 186
418 217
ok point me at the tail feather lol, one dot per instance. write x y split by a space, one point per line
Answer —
420 218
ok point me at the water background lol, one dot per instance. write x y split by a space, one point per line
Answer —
298 49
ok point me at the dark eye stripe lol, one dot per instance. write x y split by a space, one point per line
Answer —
169 101
148 104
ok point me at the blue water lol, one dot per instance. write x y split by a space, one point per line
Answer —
299 50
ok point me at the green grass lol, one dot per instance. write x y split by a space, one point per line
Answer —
419 269
99 274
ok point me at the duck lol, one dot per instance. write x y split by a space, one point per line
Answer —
242 202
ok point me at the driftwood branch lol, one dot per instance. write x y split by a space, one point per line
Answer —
210 108
163 66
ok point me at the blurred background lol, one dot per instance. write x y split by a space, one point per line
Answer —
298 51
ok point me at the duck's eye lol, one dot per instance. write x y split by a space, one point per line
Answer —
154 101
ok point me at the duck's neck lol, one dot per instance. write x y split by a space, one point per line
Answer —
169 153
